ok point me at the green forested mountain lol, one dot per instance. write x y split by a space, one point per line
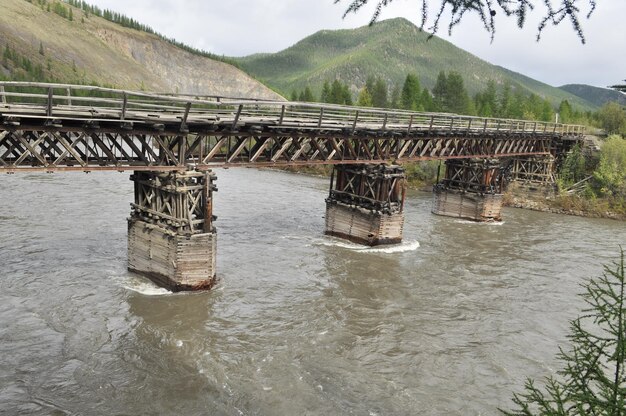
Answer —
595 95
390 50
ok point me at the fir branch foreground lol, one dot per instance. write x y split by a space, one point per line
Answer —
593 379
556 11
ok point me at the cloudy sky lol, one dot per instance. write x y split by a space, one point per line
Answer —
243 27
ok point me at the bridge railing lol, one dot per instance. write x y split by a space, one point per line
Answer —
79 102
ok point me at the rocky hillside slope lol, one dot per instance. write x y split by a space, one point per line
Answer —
39 43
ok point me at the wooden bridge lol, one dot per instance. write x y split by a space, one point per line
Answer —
172 141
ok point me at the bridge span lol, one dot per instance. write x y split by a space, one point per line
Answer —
171 142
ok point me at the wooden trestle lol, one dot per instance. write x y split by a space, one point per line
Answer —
365 204
171 237
471 189
533 169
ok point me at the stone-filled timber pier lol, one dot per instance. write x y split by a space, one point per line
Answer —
365 204
171 237
171 143
472 189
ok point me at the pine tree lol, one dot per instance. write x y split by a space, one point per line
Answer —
458 101
395 97
440 91
369 84
547 112
325 97
336 93
593 380
411 93
346 95
565 112
294 96
365 98
307 95
504 101
379 94
486 102
426 101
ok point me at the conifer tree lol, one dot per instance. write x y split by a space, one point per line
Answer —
307 95
395 97
504 101
346 95
365 98
336 93
440 92
379 94
369 84
325 97
411 93
458 101
426 101
565 112
593 379
486 101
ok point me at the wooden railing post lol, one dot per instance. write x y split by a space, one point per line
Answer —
49 106
183 123
124 106
356 119
319 121
236 120
282 116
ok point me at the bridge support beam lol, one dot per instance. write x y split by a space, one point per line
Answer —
171 237
532 179
537 170
365 204
471 189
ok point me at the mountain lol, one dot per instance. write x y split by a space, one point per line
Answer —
50 40
389 49
595 95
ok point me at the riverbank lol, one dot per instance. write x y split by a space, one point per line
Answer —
543 199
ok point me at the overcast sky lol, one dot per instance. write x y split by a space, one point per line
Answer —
243 27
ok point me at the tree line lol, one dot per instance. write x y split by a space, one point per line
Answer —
448 95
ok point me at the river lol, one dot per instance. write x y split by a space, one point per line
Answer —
450 322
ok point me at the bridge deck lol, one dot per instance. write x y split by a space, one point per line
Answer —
49 127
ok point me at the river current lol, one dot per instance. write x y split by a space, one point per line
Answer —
450 322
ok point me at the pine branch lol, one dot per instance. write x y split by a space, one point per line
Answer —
486 11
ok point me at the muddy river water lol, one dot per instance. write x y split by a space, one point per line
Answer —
450 322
